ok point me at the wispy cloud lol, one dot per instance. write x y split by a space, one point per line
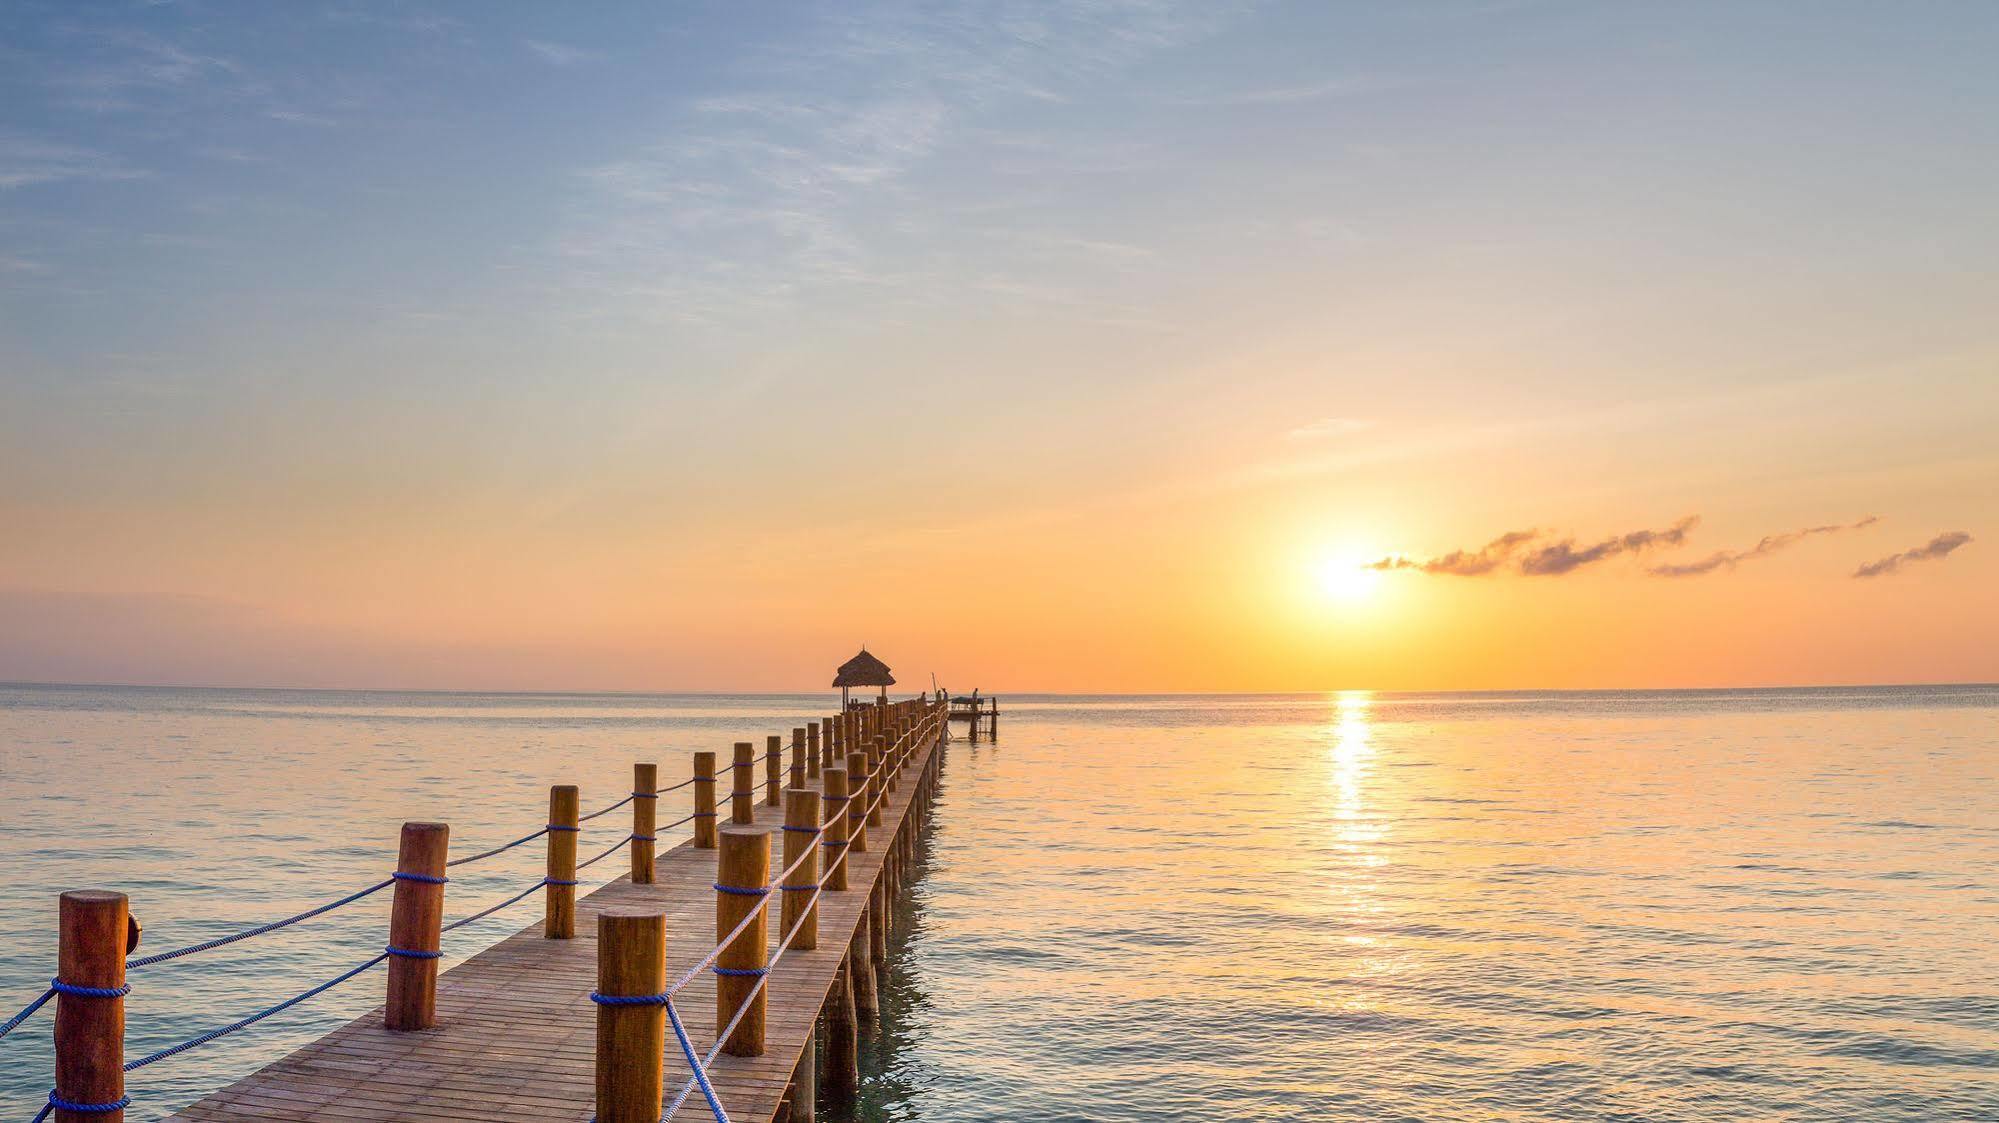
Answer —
1938 547
1516 549
1466 563
559 54
26 160
1769 544
128 69
1564 557
807 175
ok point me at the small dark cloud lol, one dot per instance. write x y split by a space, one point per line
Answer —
1937 547
1466 563
1770 544
1562 557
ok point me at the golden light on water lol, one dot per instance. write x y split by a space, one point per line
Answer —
1351 753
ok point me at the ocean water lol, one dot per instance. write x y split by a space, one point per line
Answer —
1767 905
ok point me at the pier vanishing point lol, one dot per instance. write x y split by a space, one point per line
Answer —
730 976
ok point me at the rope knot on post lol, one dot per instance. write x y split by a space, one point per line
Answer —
412 953
74 991
60 1104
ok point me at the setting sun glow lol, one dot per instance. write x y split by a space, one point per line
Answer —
1347 578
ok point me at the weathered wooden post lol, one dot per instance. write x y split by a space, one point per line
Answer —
631 1035
805 1087
798 757
878 925
559 923
773 770
813 761
95 933
843 1039
742 880
862 789
860 964
645 807
416 920
891 749
835 842
742 799
877 747
704 801
801 846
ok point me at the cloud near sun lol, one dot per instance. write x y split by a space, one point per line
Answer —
1538 553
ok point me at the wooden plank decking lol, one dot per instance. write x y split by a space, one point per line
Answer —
516 1036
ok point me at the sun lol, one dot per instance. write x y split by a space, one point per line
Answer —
1346 578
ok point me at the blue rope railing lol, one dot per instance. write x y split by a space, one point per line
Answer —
699 1064
501 849
259 930
224 1031
27 1012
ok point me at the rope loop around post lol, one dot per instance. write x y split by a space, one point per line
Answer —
412 953
419 878
74 991
58 1103
630 999
741 891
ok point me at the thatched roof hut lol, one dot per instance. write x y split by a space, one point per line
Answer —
863 670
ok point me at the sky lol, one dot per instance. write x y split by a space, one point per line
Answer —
1089 345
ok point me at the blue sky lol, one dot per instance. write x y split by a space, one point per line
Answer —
523 272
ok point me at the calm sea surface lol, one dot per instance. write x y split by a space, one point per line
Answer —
1768 905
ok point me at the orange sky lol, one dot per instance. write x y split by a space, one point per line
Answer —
1078 373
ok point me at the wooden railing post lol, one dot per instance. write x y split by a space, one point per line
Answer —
798 757
773 770
631 1037
801 845
742 798
704 801
559 920
835 842
877 748
645 809
813 761
416 920
742 879
861 789
94 935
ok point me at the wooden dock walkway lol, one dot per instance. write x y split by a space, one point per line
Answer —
516 1033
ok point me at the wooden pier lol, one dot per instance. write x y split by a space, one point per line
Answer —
566 1019
975 711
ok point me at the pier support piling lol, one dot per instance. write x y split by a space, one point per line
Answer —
773 770
843 1039
861 968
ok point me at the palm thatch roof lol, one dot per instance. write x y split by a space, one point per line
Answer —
863 670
